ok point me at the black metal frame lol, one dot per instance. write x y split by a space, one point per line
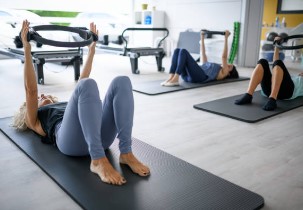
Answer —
135 53
72 56
280 11
279 43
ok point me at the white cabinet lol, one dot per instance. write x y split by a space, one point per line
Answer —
147 19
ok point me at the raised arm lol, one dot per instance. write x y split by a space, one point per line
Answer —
226 68
276 50
91 52
203 57
30 83
225 49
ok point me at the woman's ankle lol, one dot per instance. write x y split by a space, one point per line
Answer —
99 161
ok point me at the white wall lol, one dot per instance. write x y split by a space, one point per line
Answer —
118 6
216 15
199 14
180 16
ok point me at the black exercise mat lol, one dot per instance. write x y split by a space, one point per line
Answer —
250 113
173 183
155 87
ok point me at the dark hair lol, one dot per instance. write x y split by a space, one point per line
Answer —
233 73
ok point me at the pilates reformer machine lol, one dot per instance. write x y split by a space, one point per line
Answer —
135 53
72 55
42 56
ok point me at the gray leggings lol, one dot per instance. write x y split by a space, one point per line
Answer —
90 127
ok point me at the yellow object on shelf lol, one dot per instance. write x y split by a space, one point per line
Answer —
144 6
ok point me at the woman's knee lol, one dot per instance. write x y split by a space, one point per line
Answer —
278 64
176 53
184 52
88 85
87 82
122 81
263 63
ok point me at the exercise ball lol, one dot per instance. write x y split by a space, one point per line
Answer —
281 56
269 56
267 47
283 35
18 42
271 36
38 44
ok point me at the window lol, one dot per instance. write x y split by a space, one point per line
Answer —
290 7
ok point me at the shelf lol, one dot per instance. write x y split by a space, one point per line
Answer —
149 18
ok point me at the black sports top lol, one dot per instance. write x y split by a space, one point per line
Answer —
50 115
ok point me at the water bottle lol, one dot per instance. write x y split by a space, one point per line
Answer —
148 20
283 23
277 22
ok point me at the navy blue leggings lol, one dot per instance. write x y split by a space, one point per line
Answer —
90 127
186 66
287 85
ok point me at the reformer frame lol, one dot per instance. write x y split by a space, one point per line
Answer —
40 57
135 53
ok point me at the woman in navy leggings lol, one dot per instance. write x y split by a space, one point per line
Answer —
84 125
184 65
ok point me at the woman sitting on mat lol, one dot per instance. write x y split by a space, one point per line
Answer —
84 125
185 65
276 85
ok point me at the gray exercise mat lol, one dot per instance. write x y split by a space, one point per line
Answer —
173 183
155 87
250 113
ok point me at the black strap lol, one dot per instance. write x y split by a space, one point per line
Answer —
213 32
84 33
278 43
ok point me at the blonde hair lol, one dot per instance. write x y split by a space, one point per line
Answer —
19 117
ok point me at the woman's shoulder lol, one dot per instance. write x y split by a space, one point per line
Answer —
37 128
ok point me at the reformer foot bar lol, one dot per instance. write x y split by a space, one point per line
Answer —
135 53
40 57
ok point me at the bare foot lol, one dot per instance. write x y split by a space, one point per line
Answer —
106 172
168 80
136 166
163 83
173 80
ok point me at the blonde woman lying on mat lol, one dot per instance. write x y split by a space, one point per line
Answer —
84 125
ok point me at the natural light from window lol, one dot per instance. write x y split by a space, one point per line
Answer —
116 6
